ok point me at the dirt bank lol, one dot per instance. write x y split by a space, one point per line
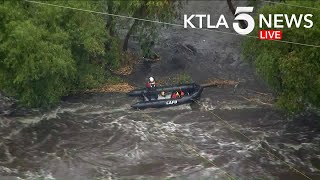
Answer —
200 53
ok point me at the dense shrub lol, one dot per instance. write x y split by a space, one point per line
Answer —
293 71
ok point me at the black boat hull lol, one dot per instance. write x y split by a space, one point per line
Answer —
197 90
183 87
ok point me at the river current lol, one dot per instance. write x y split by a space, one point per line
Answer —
98 136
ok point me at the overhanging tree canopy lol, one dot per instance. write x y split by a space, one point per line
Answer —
293 71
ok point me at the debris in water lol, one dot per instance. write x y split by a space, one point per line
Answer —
121 87
125 70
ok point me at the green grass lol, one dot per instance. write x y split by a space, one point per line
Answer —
180 78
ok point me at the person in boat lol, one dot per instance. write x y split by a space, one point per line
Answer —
151 84
162 95
181 93
151 87
175 95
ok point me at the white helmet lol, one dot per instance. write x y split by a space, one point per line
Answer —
151 79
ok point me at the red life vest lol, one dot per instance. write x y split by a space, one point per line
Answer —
181 93
151 85
175 95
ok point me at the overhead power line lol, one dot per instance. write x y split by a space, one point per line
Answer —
293 5
164 23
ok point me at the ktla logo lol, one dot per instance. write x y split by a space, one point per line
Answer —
272 21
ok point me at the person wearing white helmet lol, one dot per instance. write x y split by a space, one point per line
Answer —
151 87
151 84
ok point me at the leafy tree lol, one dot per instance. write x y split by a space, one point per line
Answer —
47 51
165 10
34 68
293 71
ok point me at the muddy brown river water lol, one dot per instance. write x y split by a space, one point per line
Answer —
99 136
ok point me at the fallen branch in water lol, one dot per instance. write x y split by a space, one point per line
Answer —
125 87
121 87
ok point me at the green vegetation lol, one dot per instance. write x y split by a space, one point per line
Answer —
293 71
164 10
180 78
47 52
